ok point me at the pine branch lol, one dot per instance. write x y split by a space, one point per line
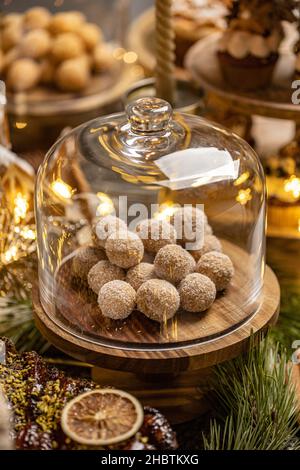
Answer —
16 323
258 408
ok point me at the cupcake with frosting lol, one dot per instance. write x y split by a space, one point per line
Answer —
195 19
249 49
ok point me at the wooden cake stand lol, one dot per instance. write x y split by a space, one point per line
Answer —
273 102
37 117
165 366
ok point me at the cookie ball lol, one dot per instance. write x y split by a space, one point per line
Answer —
91 35
218 267
48 71
23 74
15 19
36 44
158 300
155 234
37 17
66 22
67 46
103 59
173 263
11 56
105 226
124 248
72 75
84 259
117 300
139 274
197 293
102 273
10 36
190 224
211 243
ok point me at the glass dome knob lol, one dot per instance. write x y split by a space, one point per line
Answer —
149 115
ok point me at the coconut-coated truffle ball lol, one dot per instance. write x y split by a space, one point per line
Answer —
190 224
66 22
36 43
67 46
218 267
208 230
102 273
158 300
105 226
116 300
139 274
23 74
197 293
155 234
37 17
72 75
90 34
124 248
173 263
84 259
211 243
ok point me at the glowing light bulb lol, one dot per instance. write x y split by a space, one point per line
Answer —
166 211
130 57
62 189
292 185
20 207
106 206
10 254
244 196
21 125
28 234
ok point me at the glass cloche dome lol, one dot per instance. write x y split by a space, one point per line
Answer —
151 230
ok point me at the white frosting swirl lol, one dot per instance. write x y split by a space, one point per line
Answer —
239 44
259 47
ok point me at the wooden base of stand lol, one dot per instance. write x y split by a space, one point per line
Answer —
173 380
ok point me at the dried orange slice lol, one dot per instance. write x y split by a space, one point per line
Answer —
102 417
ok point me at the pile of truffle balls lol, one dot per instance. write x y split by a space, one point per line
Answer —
61 50
150 271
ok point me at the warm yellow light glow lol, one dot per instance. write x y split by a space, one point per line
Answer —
292 185
299 225
166 211
28 234
106 206
62 189
242 179
10 254
20 207
21 125
244 196
119 53
130 57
